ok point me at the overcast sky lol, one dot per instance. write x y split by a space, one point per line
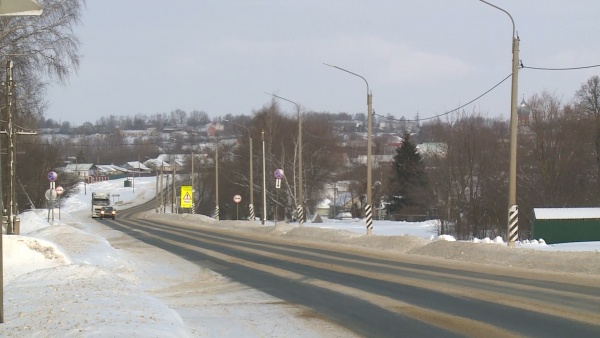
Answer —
420 56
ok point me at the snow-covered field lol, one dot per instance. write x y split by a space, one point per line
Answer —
75 277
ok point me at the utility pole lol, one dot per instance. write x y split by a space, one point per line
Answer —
12 143
162 195
166 200
217 180
369 206
193 197
156 189
300 198
8 104
11 151
264 221
173 200
513 210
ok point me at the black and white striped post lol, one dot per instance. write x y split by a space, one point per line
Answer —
369 218
300 215
513 225
251 207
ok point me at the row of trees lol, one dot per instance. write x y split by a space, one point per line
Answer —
176 118
558 162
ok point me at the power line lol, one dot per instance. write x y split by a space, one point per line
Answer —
453 110
521 65
567 68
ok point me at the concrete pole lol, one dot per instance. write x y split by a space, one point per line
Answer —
11 157
174 200
162 196
513 210
193 197
8 83
217 181
251 206
300 200
368 207
264 221
300 191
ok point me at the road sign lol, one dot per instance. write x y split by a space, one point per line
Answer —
186 196
50 194
59 190
52 176
237 198
278 173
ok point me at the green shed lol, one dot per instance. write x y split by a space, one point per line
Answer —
565 225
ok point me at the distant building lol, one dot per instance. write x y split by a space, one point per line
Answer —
82 170
136 167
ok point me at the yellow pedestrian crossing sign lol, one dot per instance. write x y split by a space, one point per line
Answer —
186 196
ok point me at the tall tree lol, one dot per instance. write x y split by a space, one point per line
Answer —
409 182
588 101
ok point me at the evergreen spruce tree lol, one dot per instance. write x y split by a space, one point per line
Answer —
409 186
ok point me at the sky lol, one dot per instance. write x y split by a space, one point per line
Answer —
422 57
63 277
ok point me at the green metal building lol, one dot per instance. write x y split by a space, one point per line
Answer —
565 225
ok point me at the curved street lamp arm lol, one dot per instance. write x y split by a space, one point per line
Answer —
507 13
283 98
347 71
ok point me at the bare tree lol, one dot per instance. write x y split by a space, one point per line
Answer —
468 177
588 101
41 48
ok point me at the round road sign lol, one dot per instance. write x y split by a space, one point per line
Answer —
237 198
50 194
52 176
59 190
278 173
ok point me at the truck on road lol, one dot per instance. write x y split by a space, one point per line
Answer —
99 200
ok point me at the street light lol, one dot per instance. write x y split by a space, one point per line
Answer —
513 211
251 206
217 180
300 200
369 206
264 220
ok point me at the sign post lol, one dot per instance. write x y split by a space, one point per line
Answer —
51 193
278 173
187 196
59 191
237 199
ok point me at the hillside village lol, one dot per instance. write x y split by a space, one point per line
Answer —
465 189
200 141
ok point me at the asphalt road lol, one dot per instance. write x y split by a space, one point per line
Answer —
384 295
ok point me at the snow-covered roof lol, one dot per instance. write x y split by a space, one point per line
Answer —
137 165
566 213
72 167
111 168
